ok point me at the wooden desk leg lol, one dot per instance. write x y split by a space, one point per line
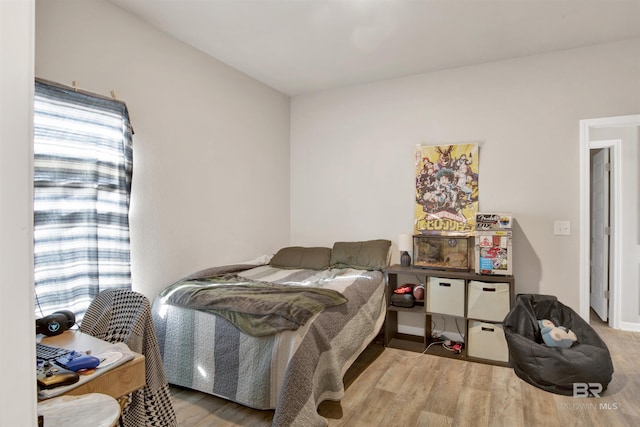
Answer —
123 401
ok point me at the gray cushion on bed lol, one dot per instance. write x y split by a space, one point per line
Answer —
299 257
367 255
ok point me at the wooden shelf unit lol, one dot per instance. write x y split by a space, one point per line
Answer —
396 277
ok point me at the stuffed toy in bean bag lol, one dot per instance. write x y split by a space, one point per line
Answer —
552 347
556 336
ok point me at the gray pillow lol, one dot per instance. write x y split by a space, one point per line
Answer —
367 255
299 257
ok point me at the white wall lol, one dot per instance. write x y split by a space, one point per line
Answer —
17 335
211 145
352 150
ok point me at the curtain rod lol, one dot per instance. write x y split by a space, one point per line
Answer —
74 88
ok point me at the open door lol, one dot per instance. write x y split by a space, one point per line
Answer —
600 232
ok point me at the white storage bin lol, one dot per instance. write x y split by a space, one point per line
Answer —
487 301
445 296
487 341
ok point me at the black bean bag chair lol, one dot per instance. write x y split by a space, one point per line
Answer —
554 369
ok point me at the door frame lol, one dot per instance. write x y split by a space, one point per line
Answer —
606 148
616 215
615 218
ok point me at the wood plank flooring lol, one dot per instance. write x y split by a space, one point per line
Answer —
390 387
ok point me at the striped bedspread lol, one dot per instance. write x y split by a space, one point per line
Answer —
292 371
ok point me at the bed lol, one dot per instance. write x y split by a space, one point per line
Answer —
268 352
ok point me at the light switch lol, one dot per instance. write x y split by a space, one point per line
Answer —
562 228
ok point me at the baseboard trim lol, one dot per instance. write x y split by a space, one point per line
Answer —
629 326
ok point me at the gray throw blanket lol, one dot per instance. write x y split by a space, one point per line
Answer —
256 308
120 315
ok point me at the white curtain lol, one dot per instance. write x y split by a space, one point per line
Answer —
82 186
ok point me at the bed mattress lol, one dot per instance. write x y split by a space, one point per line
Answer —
291 371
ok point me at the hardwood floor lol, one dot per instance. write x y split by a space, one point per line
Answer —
390 387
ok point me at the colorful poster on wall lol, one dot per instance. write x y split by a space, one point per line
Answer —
446 189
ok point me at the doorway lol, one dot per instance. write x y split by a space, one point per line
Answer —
614 271
600 225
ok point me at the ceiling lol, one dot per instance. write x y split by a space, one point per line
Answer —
302 46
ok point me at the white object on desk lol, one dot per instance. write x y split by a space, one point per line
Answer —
93 409
108 359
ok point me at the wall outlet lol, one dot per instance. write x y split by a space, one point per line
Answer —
562 228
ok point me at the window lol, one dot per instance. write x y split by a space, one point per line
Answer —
82 186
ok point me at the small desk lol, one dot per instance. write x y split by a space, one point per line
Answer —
116 382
